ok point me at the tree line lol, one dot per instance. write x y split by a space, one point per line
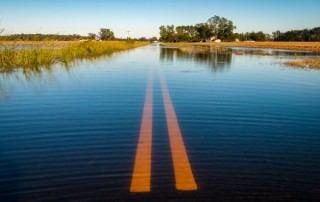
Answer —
215 28
104 34
223 29
41 37
298 35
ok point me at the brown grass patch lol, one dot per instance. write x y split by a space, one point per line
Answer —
305 63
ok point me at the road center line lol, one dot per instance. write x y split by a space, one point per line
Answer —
141 177
183 173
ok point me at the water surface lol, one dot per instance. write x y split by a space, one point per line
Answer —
250 126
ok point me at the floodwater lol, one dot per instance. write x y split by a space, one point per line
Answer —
212 127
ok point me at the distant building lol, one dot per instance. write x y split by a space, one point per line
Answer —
213 38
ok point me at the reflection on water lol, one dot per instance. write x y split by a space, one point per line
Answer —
33 77
218 61
213 58
269 52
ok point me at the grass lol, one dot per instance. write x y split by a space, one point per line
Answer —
47 53
300 46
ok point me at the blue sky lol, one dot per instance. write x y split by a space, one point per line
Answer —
143 18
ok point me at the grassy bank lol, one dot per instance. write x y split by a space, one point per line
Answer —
45 54
300 46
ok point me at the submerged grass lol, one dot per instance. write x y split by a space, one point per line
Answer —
304 63
15 56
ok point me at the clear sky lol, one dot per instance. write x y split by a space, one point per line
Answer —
143 17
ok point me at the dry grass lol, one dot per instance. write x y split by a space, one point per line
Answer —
301 46
304 63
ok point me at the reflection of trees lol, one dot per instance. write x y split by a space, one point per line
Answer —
217 60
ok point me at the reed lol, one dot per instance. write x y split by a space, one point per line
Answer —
46 54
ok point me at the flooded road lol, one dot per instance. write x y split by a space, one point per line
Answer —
160 124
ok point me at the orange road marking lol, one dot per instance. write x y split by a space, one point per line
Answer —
182 169
142 168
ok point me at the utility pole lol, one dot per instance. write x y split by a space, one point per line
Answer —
128 35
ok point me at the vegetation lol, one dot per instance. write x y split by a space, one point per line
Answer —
298 35
41 37
216 27
35 50
106 34
305 63
222 28
253 36
44 55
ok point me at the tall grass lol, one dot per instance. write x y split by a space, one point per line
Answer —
15 56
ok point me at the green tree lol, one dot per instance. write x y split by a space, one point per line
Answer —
205 31
258 36
222 27
106 34
180 34
167 33
192 34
